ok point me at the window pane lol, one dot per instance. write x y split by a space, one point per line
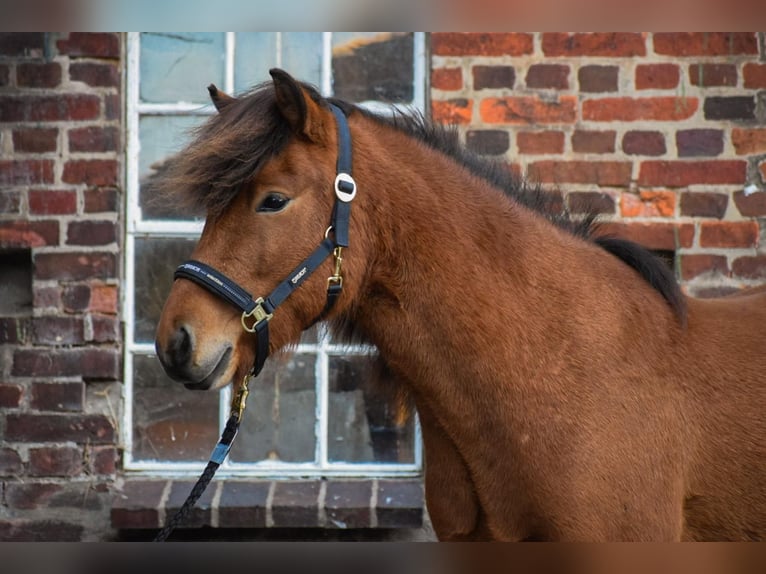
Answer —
256 53
365 425
161 137
177 67
373 66
169 421
302 56
281 413
156 260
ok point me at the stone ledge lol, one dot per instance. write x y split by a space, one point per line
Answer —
144 503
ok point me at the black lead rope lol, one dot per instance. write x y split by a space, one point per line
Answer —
256 313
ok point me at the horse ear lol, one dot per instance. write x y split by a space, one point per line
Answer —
296 106
220 99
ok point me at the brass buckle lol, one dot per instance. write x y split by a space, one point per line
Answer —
258 313
336 277
239 400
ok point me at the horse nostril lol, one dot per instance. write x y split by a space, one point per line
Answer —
180 348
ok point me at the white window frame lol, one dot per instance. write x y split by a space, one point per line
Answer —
137 228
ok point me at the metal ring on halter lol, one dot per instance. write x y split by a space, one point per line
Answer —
327 232
342 182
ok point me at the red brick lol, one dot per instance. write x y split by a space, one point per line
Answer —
75 266
584 141
400 503
75 297
685 173
52 201
296 503
615 173
762 169
10 462
38 75
729 234
704 204
45 297
705 43
46 108
10 396
710 75
58 396
526 110
136 502
10 202
447 78
456 111
598 78
89 44
50 330
112 107
695 265
103 460
106 329
750 267
594 44
648 204
755 75
488 142
657 76
26 172
103 299
493 77
753 205
14 330
25 44
590 202
540 142
80 428
100 200
749 141
729 108
30 495
91 171
665 108
654 235
55 461
96 139
97 75
643 143
35 140
699 142
28 233
476 44
552 76
86 232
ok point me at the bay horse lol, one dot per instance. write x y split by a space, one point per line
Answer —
567 389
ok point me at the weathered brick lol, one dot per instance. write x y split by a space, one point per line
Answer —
489 142
729 234
527 110
30 495
98 75
52 201
584 141
685 173
45 297
10 395
657 76
91 45
347 503
25 44
749 141
100 200
38 74
616 173
46 108
729 108
243 504
104 460
296 504
552 76
643 143
96 139
447 78
698 264
750 267
112 107
493 77
625 109
400 503
87 232
200 512
55 461
648 204
51 330
709 75
590 202
10 202
481 44
753 205
652 235
75 298
699 142
5 75
136 504
75 266
14 330
26 172
704 204
105 329
596 79
28 233
89 363
103 299
705 43
457 111
10 462
35 140
81 428
91 172
40 531
546 142
620 44
58 396
754 75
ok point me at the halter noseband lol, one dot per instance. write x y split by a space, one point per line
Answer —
256 313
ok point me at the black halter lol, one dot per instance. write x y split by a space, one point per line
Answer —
256 313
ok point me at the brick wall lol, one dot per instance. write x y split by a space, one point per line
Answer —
60 358
665 134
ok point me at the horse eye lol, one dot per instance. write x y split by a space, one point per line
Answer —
273 202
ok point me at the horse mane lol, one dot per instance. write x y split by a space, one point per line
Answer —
237 143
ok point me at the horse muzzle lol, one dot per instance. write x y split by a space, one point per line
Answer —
184 362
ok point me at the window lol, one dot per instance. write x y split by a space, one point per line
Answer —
311 413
